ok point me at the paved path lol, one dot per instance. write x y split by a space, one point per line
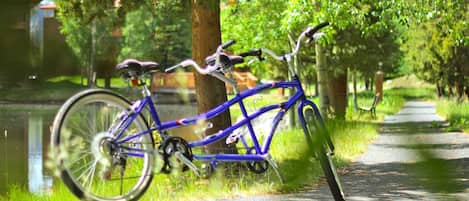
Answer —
412 159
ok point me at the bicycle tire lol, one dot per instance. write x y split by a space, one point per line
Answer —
331 175
320 145
81 133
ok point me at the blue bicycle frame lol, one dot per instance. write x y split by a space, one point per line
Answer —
261 151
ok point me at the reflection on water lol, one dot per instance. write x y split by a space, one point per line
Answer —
37 180
25 141
26 137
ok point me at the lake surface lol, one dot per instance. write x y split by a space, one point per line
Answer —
25 139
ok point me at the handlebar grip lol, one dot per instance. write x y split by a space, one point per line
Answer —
311 32
228 44
253 52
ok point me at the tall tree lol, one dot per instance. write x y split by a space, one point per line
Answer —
160 32
354 41
437 43
88 27
211 92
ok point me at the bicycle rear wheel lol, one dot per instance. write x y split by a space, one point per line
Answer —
321 146
93 165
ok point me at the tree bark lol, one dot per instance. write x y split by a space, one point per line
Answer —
354 80
338 93
367 83
322 80
459 82
291 91
206 36
438 89
91 68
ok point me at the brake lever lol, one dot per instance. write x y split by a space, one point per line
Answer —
259 58
172 68
251 61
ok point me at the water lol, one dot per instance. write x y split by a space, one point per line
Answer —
25 139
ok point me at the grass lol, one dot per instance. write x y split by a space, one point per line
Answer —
288 149
56 89
452 110
456 113
40 92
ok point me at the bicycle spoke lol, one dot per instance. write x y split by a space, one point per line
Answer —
92 176
81 157
84 128
81 168
85 172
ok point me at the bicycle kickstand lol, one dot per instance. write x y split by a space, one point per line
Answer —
274 165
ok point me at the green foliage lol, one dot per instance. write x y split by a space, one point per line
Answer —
160 32
437 42
78 18
260 29
146 30
363 34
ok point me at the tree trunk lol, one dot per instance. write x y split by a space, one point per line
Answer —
367 83
322 80
338 93
91 68
292 115
211 92
316 86
450 91
438 89
354 80
466 91
459 82
107 80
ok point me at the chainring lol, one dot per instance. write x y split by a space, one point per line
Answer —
169 147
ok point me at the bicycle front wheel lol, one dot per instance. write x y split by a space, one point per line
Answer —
93 164
321 143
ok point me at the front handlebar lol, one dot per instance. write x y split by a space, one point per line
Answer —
311 33
209 69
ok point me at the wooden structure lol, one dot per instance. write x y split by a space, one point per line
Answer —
165 81
372 108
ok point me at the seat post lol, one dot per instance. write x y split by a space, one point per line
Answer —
145 91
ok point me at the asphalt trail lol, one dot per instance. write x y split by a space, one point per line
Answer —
411 159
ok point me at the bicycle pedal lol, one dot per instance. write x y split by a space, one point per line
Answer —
187 162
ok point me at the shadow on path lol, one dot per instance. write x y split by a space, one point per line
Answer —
411 159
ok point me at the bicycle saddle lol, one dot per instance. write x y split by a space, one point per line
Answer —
225 60
133 67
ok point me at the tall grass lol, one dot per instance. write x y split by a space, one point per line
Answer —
289 149
456 113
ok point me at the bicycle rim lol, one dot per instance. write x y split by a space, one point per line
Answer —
92 168
315 132
331 176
